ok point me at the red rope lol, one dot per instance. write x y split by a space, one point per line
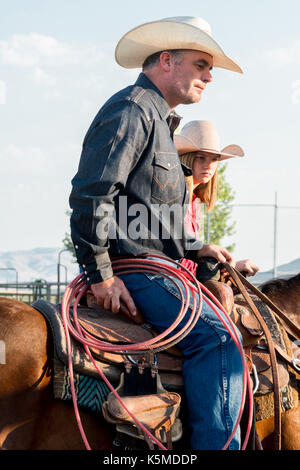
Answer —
191 287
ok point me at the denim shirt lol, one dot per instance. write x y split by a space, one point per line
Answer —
129 196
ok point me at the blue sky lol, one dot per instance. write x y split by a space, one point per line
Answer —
57 68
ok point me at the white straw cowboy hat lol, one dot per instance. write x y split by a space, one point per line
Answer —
179 32
202 135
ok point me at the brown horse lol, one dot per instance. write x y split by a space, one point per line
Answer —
286 294
30 417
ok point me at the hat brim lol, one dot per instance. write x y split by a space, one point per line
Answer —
135 46
184 145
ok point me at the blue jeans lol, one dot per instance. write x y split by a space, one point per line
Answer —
212 369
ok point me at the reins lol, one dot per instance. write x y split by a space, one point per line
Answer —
77 289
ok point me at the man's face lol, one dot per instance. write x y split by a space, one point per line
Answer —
189 76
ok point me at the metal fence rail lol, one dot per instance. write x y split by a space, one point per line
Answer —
28 292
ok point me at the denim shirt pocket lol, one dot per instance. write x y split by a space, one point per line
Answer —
166 180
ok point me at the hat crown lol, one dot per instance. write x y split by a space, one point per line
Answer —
196 21
202 134
178 32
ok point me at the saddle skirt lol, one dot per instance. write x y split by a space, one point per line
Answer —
113 328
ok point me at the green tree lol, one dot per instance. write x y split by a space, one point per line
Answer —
218 223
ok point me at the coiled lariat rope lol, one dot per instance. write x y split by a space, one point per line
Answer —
191 287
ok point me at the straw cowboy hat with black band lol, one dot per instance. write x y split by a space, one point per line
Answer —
202 136
179 32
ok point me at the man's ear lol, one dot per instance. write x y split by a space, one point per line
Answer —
166 61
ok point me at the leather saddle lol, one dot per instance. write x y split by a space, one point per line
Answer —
113 328
120 329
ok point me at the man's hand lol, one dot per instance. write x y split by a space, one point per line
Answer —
216 251
247 266
111 292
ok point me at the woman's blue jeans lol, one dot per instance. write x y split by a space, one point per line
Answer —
212 369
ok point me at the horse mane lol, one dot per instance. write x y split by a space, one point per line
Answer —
276 285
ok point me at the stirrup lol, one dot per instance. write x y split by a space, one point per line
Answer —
157 412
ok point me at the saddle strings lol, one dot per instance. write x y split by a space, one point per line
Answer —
76 290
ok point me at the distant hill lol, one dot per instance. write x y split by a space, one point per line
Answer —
284 271
38 263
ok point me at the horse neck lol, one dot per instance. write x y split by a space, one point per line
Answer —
288 300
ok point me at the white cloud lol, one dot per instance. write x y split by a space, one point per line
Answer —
88 82
2 92
33 50
22 160
43 78
296 92
282 56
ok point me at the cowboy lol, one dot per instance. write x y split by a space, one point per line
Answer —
129 161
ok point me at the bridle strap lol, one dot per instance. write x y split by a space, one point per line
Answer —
277 411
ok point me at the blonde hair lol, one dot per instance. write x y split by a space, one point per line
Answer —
206 192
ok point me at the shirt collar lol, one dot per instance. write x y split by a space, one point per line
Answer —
172 118
173 121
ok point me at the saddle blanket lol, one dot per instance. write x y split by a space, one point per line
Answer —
91 392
